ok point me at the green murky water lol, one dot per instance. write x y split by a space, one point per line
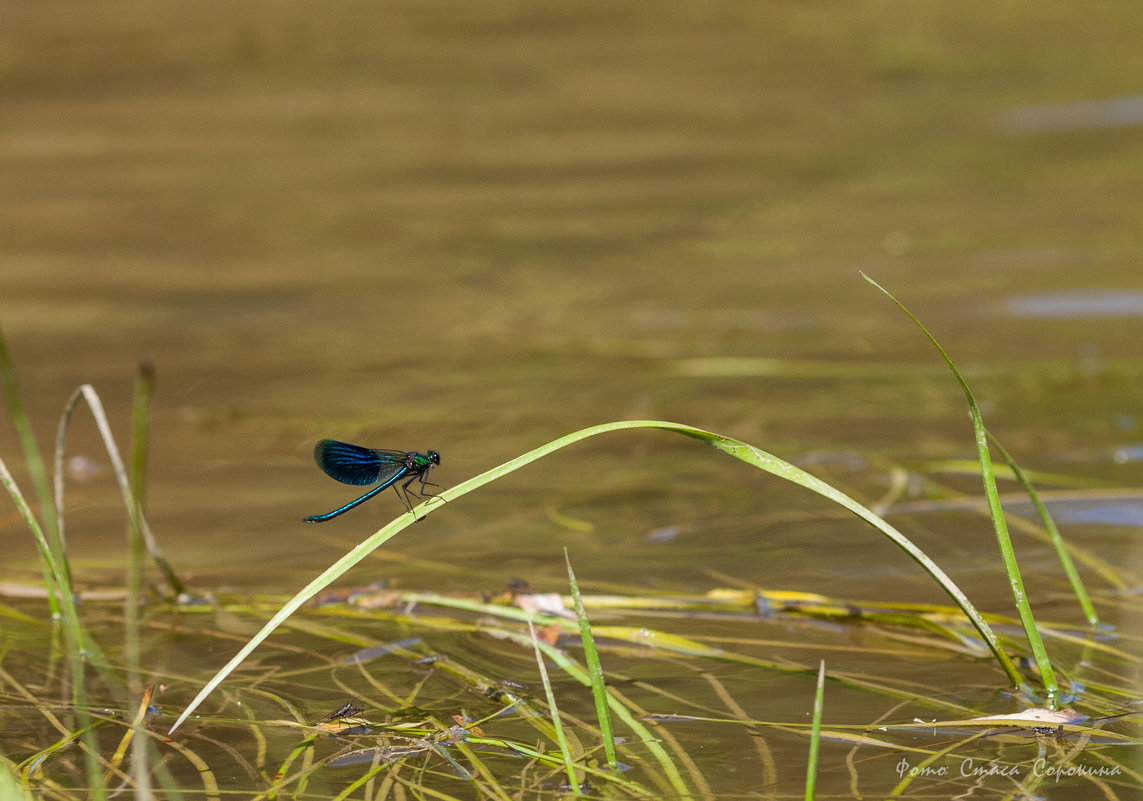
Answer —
475 228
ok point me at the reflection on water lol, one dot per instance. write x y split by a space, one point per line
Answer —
1078 303
1128 512
1115 112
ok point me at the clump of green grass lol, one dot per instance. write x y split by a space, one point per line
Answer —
80 648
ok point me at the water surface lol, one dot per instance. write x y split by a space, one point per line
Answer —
476 228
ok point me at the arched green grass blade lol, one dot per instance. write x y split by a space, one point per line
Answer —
739 450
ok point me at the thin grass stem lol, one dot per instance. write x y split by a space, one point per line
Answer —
32 458
594 670
1054 535
136 545
554 711
136 548
144 387
815 734
1007 552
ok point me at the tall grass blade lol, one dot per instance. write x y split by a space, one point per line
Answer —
35 464
140 441
594 669
32 458
58 580
1054 535
999 524
815 734
144 384
136 548
554 711
140 429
